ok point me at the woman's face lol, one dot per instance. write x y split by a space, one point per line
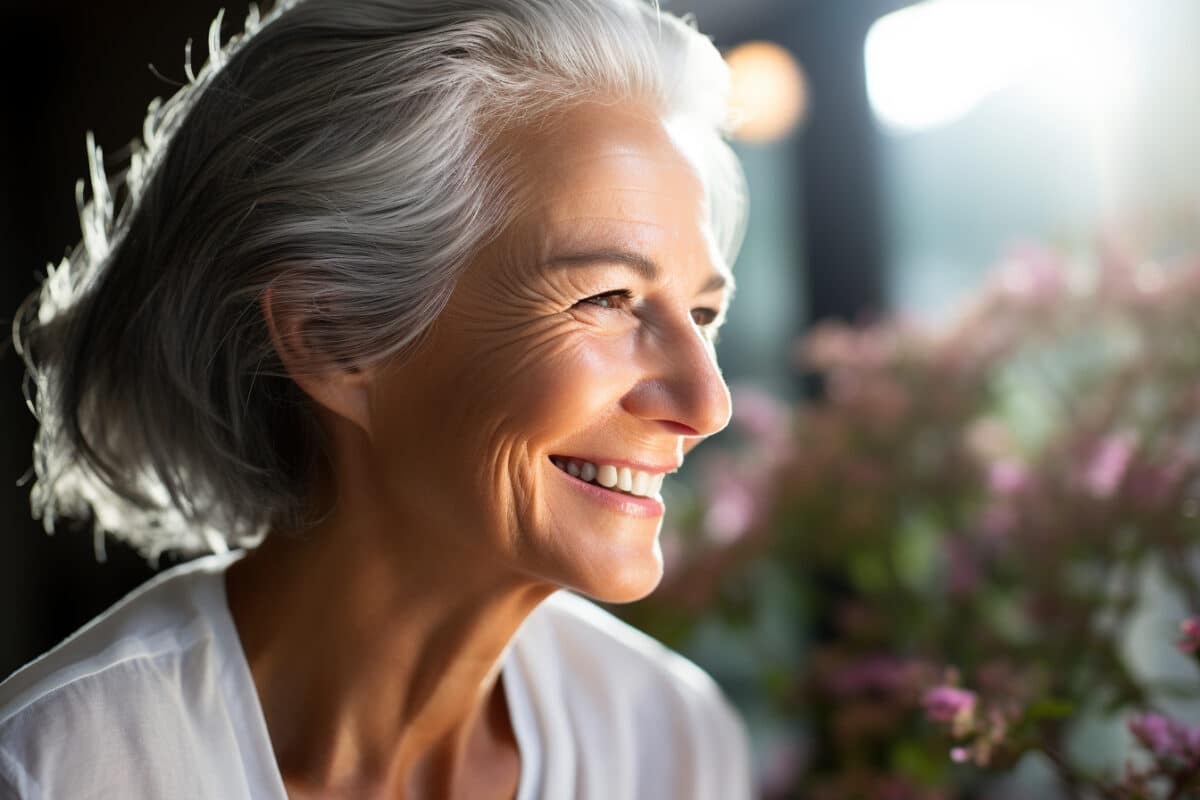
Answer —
560 342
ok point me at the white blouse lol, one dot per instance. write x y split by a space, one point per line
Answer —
154 699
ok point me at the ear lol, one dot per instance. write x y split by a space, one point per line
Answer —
341 389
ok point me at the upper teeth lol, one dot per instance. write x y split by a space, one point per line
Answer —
633 481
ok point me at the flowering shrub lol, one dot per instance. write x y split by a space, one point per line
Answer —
923 582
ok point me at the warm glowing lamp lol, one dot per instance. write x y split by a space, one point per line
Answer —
769 94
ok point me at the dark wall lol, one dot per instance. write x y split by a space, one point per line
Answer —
69 67
839 174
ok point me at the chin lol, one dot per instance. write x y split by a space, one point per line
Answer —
627 582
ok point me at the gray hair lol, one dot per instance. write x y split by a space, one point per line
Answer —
337 153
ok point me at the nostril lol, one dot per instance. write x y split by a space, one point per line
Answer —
680 428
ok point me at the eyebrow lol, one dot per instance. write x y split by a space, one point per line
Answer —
643 266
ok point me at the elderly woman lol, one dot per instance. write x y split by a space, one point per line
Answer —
407 311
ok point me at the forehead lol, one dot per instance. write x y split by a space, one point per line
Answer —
599 174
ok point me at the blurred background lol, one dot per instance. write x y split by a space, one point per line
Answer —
896 153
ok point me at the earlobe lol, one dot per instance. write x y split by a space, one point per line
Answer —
341 390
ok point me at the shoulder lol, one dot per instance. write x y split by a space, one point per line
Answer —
114 689
161 617
619 682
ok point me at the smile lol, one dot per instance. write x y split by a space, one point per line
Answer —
643 483
614 498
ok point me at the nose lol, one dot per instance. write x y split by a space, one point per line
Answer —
683 389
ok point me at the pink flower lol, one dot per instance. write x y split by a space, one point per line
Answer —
1033 274
949 704
1008 477
827 345
731 512
761 415
878 400
1110 458
1190 642
832 345
733 500
883 674
1167 738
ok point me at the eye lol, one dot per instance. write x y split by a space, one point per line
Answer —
708 322
704 317
613 299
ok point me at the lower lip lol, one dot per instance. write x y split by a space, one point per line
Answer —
625 503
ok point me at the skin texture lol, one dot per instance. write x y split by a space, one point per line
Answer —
376 640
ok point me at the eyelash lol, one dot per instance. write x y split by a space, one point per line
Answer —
627 295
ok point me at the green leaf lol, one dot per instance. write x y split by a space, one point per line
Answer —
914 761
1050 708
868 571
916 548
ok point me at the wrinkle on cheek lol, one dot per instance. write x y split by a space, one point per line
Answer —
525 493
494 470
527 349
508 472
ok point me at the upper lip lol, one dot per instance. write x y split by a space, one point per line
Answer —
644 466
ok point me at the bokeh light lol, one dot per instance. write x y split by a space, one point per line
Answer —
769 91
932 63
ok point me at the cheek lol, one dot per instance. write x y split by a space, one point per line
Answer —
496 396
532 396
573 383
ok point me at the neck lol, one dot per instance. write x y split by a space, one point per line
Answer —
376 655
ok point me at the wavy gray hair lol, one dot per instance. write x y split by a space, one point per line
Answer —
338 153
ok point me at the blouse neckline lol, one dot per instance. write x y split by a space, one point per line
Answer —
254 738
